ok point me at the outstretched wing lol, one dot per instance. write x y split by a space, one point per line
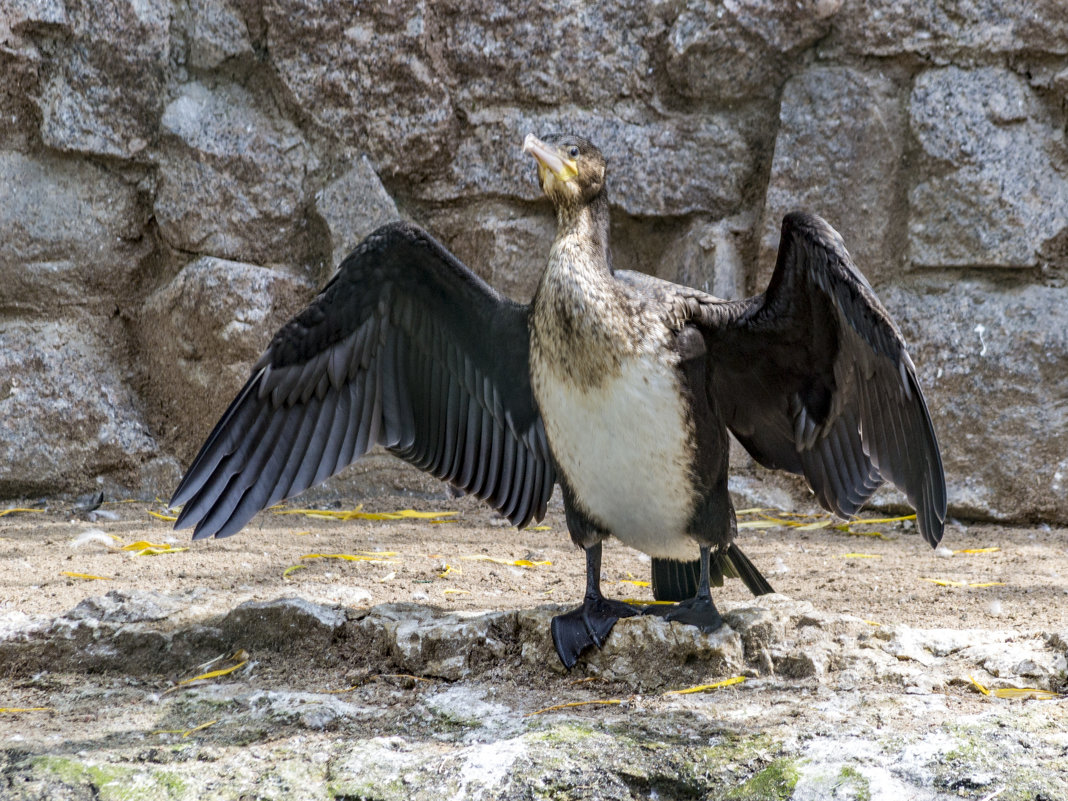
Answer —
405 347
813 377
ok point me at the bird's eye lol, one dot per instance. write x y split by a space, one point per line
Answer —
573 152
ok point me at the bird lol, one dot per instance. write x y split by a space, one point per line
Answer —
617 386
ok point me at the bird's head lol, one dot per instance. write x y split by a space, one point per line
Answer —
570 169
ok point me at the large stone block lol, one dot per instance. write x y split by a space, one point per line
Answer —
20 64
993 362
737 50
231 177
657 166
69 418
546 52
942 30
837 154
103 78
506 244
199 336
994 191
368 75
72 232
216 32
353 205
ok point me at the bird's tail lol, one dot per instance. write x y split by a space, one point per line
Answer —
677 581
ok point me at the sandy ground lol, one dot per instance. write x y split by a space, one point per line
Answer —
334 722
883 578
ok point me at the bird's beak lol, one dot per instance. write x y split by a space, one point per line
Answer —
549 158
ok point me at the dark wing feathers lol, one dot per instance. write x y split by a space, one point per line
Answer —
813 377
406 348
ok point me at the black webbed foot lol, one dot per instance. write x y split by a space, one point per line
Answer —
700 612
587 626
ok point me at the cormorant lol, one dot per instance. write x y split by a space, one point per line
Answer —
619 386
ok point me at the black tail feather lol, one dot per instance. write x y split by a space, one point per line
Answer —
677 581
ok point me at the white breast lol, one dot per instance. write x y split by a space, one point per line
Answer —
623 447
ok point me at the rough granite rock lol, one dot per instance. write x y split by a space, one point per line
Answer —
103 77
993 189
72 234
216 32
70 419
346 64
505 243
838 154
548 53
736 50
959 30
352 206
997 355
232 177
698 163
201 334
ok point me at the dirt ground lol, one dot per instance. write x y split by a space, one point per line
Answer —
885 578
879 731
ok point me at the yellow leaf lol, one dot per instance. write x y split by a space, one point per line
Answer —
514 562
13 511
988 584
640 602
604 702
140 545
635 582
870 521
872 623
758 524
860 556
978 686
816 525
292 569
978 550
539 528
351 558
213 674
168 518
87 576
944 582
187 732
358 514
1026 692
701 688
146 548
15 710
453 590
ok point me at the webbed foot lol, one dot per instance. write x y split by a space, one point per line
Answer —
700 612
587 626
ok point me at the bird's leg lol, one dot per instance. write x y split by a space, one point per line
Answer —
589 624
698 611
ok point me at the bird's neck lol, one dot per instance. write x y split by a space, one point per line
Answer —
580 321
582 238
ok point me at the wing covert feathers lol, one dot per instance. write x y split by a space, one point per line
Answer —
405 348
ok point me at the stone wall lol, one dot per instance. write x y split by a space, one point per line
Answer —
177 177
